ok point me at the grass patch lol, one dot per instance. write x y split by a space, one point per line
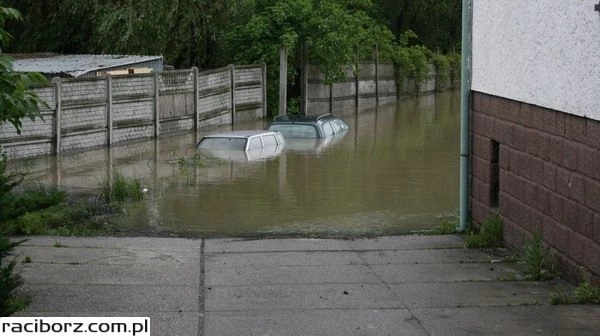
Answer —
446 227
510 276
121 189
489 234
585 293
71 217
561 296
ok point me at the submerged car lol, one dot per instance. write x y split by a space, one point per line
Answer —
309 126
242 145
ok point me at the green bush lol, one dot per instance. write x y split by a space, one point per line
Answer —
413 62
29 198
10 281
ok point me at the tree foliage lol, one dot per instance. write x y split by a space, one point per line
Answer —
186 32
437 23
329 30
214 33
16 101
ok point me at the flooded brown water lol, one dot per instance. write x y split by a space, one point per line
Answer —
396 170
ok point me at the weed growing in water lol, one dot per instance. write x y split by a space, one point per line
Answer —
196 160
121 189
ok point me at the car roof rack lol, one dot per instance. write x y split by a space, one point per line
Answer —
309 117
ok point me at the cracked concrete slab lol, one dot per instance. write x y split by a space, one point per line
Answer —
412 285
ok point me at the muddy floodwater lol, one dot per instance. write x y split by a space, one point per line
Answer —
396 170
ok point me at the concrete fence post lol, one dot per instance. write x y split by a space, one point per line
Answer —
232 79
156 105
377 73
196 99
282 80
304 76
331 98
356 71
109 122
264 88
56 81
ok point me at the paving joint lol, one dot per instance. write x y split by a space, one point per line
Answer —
201 297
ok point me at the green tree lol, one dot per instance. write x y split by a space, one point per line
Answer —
186 32
61 26
328 29
437 23
16 100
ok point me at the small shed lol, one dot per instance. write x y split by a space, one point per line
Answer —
70 66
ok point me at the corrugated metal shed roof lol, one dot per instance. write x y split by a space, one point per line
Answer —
78 65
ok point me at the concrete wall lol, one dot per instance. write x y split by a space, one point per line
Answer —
92 112
544 53
375 82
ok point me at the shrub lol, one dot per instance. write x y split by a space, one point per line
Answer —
414 62
10 281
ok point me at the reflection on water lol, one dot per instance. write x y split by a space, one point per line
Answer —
395 170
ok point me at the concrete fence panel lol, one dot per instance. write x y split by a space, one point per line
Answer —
132 86
374 82
81 91
93 112
83 117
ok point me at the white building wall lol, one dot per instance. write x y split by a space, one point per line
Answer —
541 52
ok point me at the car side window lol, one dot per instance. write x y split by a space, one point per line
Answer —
295 130
269 140
327 129
254 143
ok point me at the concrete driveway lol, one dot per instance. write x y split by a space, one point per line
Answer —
401 285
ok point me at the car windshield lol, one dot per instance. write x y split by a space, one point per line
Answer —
295 130
223 143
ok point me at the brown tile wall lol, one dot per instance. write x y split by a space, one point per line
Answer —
549 179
